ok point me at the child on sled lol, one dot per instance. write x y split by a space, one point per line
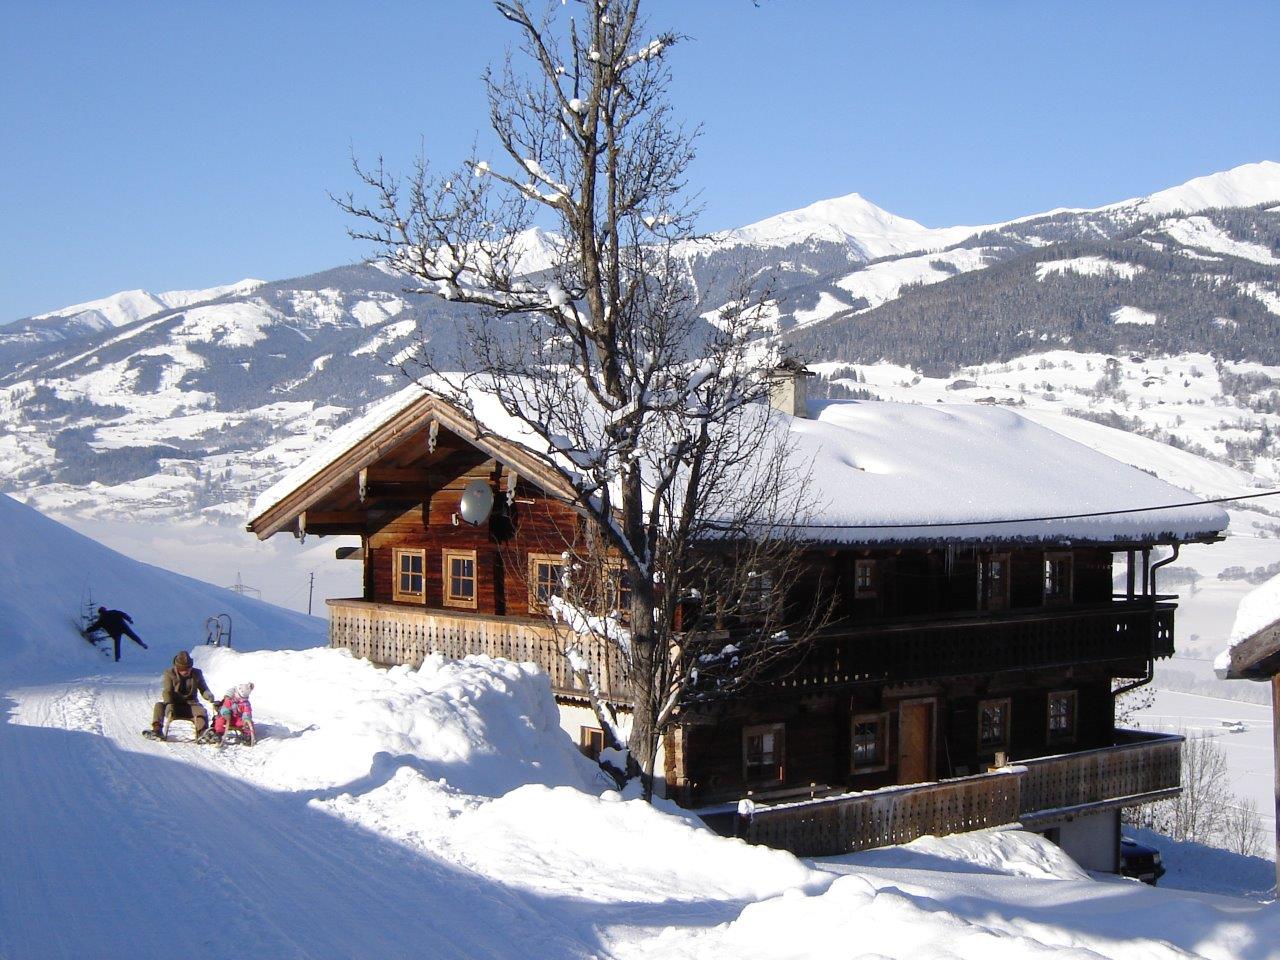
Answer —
234 720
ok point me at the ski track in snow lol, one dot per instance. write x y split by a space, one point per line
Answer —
183 850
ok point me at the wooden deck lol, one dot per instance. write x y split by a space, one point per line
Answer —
1141 769
395 633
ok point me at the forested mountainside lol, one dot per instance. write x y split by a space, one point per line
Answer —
1205 283
188 402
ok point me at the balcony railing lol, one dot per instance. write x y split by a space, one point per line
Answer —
390 633
922 649
1141 769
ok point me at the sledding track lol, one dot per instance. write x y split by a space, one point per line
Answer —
180 850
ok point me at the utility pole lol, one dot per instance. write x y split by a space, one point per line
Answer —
311 589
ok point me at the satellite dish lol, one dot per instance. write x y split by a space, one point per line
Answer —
477 502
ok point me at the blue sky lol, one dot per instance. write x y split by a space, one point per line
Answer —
169 145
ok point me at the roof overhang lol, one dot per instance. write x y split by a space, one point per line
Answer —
365 451
1256 657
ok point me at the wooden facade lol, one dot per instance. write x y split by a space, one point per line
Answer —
940 660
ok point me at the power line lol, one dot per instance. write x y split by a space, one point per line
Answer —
989 523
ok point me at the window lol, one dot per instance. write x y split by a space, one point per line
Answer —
993 582
546 571
993 724
591 741
868 749
408 575
865 579
618 591
1057 578
757 593
460 578
1062 715
762 753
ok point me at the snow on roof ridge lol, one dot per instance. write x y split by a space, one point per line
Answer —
885 471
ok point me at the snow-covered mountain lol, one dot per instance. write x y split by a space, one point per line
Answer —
867 230
186 403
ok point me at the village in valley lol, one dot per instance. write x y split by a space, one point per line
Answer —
571 575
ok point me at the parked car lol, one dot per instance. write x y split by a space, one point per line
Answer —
1140 861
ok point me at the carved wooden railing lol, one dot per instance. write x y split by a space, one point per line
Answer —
925 649
879 818
391 633
1142 769
1142 765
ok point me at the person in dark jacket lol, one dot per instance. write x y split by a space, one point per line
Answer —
116 624
180 697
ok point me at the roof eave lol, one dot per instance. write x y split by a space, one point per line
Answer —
342 468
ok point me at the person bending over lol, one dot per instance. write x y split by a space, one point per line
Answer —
116 624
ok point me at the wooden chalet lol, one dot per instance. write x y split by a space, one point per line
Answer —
966 679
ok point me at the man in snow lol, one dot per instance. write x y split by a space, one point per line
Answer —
116 624
180 697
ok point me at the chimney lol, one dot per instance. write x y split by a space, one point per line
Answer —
787 387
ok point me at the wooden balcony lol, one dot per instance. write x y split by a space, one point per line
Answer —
955 645
394 633
1142 768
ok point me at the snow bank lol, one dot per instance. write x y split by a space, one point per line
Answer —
486 726
48 573
466 759
1014 853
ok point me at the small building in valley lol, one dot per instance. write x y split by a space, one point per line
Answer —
993 589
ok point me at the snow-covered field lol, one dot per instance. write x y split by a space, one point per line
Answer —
442 812
1248 751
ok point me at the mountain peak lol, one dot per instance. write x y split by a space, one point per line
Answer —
1244 186
854 221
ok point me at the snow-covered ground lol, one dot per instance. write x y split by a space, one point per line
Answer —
442 812
1248 751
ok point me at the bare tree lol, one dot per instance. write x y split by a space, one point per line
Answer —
599 354
1242 827
1198 813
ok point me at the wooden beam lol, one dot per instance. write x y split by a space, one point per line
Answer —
377 474
334 518
1275 762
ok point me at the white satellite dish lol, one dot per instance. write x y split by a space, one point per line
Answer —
477 502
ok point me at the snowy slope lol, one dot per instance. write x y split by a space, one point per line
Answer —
48 573
442 812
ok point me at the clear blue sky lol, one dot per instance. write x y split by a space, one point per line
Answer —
169 144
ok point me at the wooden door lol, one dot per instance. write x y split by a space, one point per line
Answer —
915 741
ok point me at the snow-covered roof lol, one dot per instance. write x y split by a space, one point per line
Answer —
894 471
897 472
1259 609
